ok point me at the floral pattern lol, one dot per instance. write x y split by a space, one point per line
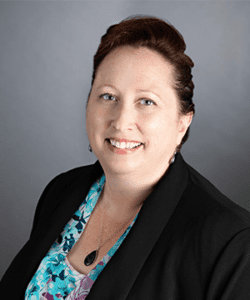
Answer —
55 278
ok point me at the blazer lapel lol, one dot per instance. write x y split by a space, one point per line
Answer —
72 198
117 278
69 204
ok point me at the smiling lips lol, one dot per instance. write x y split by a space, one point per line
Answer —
123 148
124 140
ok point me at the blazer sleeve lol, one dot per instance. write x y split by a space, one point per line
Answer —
230 278
42 204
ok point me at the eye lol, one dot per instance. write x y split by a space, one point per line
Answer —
107 97
145 100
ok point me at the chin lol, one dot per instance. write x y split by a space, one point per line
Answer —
119 166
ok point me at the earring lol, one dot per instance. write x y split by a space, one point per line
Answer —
173 159
90 149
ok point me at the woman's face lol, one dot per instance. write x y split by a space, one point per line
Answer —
132 98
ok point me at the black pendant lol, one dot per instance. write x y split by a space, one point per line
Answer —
90 258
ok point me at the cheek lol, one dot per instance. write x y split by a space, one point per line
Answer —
99 119
158 123
161 130
94 118
90 124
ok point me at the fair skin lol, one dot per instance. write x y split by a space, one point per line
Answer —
120 105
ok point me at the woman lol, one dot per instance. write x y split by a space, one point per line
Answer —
140 223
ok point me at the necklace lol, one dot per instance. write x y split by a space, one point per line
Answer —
91 257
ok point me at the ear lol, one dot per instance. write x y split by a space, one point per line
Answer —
184 123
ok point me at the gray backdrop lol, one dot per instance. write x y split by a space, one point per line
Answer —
46 54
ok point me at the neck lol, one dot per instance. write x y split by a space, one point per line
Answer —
124 195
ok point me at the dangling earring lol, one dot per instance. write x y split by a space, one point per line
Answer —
90 149
173 159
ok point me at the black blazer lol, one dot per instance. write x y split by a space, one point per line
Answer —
189 242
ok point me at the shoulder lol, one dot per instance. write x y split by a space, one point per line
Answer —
67 180
75 173
211 227
222 231
213 213
216 199
51 196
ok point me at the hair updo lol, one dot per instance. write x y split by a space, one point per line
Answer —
154 34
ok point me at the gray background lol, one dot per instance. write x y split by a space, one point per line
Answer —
46 54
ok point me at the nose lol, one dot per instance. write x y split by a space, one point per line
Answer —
123 117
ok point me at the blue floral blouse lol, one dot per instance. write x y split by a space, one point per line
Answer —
55 278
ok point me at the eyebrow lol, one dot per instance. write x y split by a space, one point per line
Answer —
151 92
106 86
138 90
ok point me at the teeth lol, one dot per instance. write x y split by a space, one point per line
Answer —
123 145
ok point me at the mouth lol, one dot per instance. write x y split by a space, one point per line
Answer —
135 147
123 151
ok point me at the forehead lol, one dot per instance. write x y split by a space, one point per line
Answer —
139 67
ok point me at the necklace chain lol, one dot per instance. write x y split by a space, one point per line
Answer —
113 234
90 258
99 246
